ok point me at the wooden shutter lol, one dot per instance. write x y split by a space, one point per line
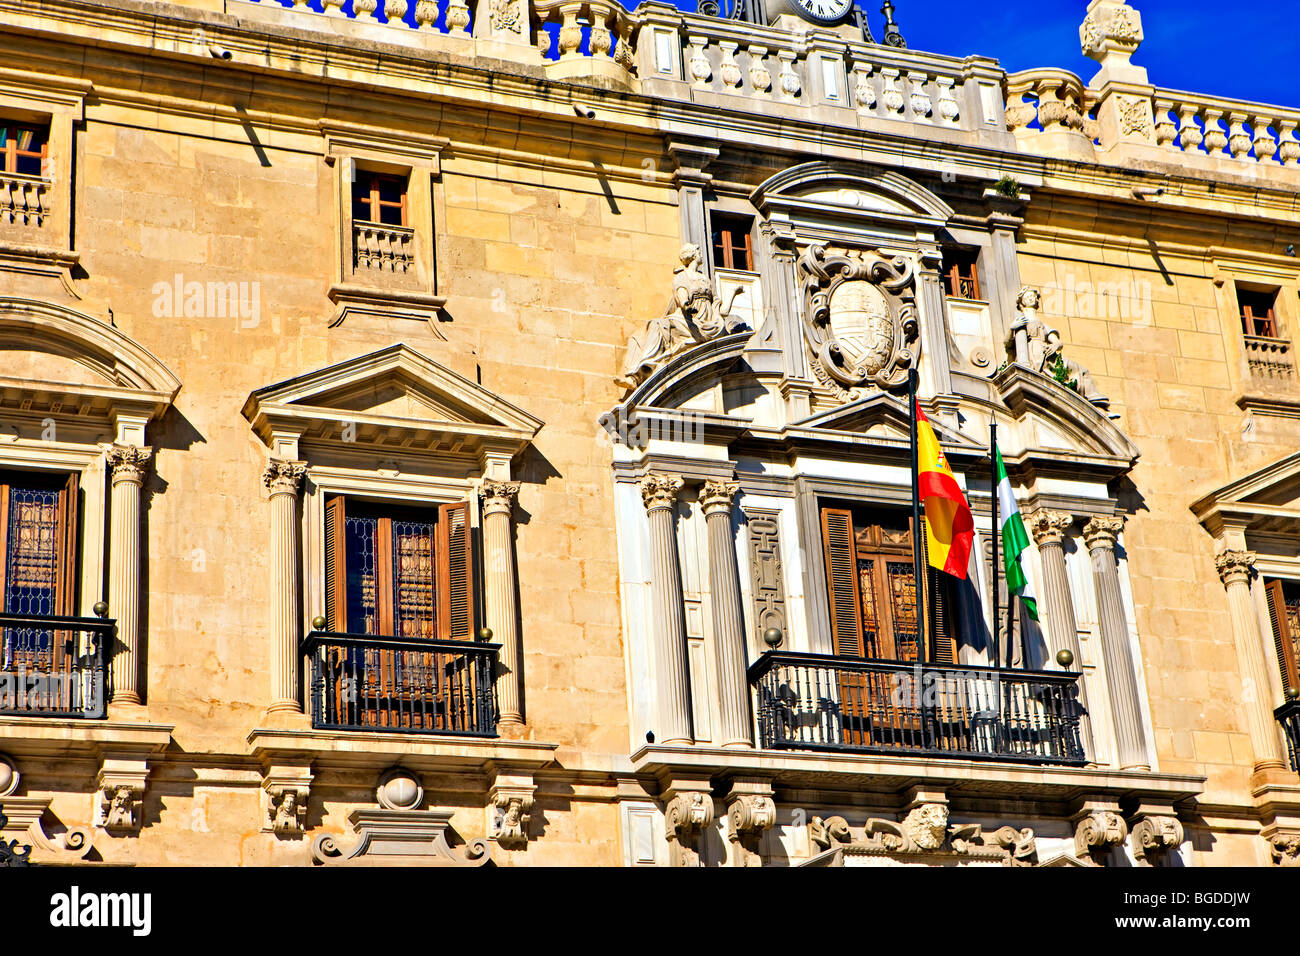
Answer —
455 585
1282 636
842 581
66 574
943 644
336 593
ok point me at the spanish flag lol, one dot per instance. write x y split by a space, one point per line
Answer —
949 527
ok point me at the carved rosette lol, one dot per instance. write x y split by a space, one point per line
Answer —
1101 533
1098 831
860 321
748 817
499 496
128 462
1049 527
685 817
660 491
1235 566
283 477
1156 836
717 495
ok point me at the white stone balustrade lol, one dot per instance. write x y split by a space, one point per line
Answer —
1269 360
24 201
589 30
1057 99
1249 132
380 248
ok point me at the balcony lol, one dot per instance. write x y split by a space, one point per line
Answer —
1288 715
359 682
820 702
53 666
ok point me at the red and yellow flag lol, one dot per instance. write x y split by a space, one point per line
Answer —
949 527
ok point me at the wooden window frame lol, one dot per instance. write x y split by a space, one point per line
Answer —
722 228
374 203
65 535
1284 638
10 153
953 277
1260 326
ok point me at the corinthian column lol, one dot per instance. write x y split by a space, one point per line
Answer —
1049 529
728 619
282 480
659 493
501 605
1235 570
1121 675
127 464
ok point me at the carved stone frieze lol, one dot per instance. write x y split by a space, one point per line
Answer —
860 320
767 587
925 832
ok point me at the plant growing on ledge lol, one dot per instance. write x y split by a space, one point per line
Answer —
1007 186
1061 373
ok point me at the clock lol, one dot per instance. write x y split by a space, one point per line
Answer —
823 11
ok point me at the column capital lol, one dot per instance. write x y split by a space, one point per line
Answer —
659 490
1234 566
1049 527
498 496
718 495
1101 532
283 477
128 462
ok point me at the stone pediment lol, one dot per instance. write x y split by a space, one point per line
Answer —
1057 419
833 187
1266 500
393 397
880 416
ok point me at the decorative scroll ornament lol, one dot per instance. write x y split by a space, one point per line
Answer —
1115 26
1155 837
748 817
1098 831
685 818
692 316
859 319
925 831
11 854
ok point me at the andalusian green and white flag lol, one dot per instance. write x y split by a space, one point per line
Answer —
1014 539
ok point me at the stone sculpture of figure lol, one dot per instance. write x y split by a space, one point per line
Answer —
1036 345
692 316
287 813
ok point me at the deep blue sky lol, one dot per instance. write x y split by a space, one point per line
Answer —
1241 49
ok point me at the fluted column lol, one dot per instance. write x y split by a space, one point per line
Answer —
659 493
283 479
1121 674
127 464
501 604
728 618
1049 529
1235 570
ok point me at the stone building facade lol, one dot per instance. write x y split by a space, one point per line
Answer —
477 432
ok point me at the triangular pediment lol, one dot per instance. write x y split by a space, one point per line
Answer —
878 416
395 396
1266 500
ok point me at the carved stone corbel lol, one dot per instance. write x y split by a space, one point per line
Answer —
286 789
510 808
750 812
119 802
825 833
20 820
687 813
1098 827
1284 848
1155 837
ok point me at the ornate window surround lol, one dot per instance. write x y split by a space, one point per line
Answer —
1271 399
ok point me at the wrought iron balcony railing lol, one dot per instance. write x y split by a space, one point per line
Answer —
1288 715
54 666
820 702
360 682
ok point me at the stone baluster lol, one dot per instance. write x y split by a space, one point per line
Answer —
728 618
759 75
624 54
697 62
127 464
501 604
864 94
918 98
1239 141
1216 140
1049 529
1263 142
395 11
949 109
1288 149
1190 136
789 81
364 10
892 97
282 480
1166 128
1235 570
1121 674
728 69
672 677
332 8
457 16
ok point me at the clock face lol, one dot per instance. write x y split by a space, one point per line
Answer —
824 11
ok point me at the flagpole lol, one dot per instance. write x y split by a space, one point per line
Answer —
917 529
997 534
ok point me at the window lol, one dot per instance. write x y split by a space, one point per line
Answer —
23 148
960 275
379 197
394 571
733 246
872 586
1284 616
1256 310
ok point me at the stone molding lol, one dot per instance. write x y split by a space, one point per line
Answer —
926 834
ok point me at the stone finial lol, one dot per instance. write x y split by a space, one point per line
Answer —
1234 566
1154 836
499 496
660 491
283 477
1049 527
717 495
128 462
1102 532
